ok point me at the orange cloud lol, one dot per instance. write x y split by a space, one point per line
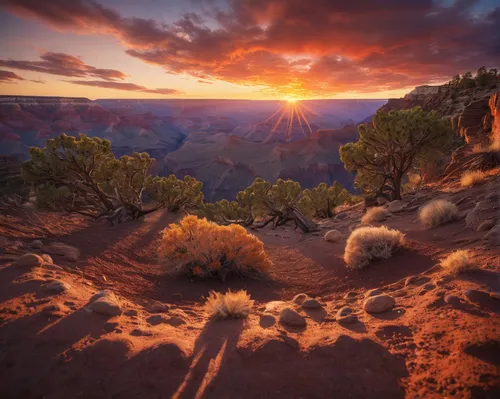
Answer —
307 48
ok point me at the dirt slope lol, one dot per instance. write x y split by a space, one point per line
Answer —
162 345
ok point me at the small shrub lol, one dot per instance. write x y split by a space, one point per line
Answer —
458 262
204 249
235 305
438 212
376 214
472 177
366 244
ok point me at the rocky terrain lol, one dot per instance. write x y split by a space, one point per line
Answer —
87 311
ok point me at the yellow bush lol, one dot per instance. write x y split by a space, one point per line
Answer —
376 214
366 244
229 305
472 177
458 262
438 212
204 249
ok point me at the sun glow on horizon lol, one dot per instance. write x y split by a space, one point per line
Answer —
290 99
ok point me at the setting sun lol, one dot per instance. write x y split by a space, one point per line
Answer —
291 99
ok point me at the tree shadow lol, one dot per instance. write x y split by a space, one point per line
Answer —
346 368
209 357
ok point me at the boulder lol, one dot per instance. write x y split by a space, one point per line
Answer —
291 318
106 305
57 287
396 206
36 244
69 253
373 292
311 304
29 260
350 319
101 294
473 219
492 237
486 225
333 236
300 298
379 303
345 311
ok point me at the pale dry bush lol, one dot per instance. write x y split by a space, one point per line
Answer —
376 214
458 262
438 212
366 244
472 177
204 249
236 305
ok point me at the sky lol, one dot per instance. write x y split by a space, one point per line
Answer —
252 49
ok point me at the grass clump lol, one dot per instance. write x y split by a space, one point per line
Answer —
236 305
438 212
376 214
458 262
472 177
204 249
366 244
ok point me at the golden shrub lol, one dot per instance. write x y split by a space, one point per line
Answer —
376 214
438 212
472 177
229 305
366 244
458 262
206 250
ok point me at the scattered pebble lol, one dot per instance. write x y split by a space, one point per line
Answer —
373 292
379 303
57 287
333 236
311 304
106 306
486 225
292 318
36 244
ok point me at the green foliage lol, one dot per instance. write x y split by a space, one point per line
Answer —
81 174
175 194
397 142
321 200
484 78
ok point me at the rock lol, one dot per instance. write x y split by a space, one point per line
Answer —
69 253
482 206
29 260
53 311
486 225
156 319
350 319
473 220
106 306
492 237
300 298
311 304
442 280
429 286
110 326
475 295
411 280
333 236
57 287
350 295
175 321
138 333
373 292
130 313
379 303
381 201
292 318
341 216
47 259
36 244
452 300
396 206
158 307
495 294
101 294
345 311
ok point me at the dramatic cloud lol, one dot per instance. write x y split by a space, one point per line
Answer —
314 47
63 65
123 86
11 77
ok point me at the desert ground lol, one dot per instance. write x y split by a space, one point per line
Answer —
441 339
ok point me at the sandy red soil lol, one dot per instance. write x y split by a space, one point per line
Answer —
423 348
